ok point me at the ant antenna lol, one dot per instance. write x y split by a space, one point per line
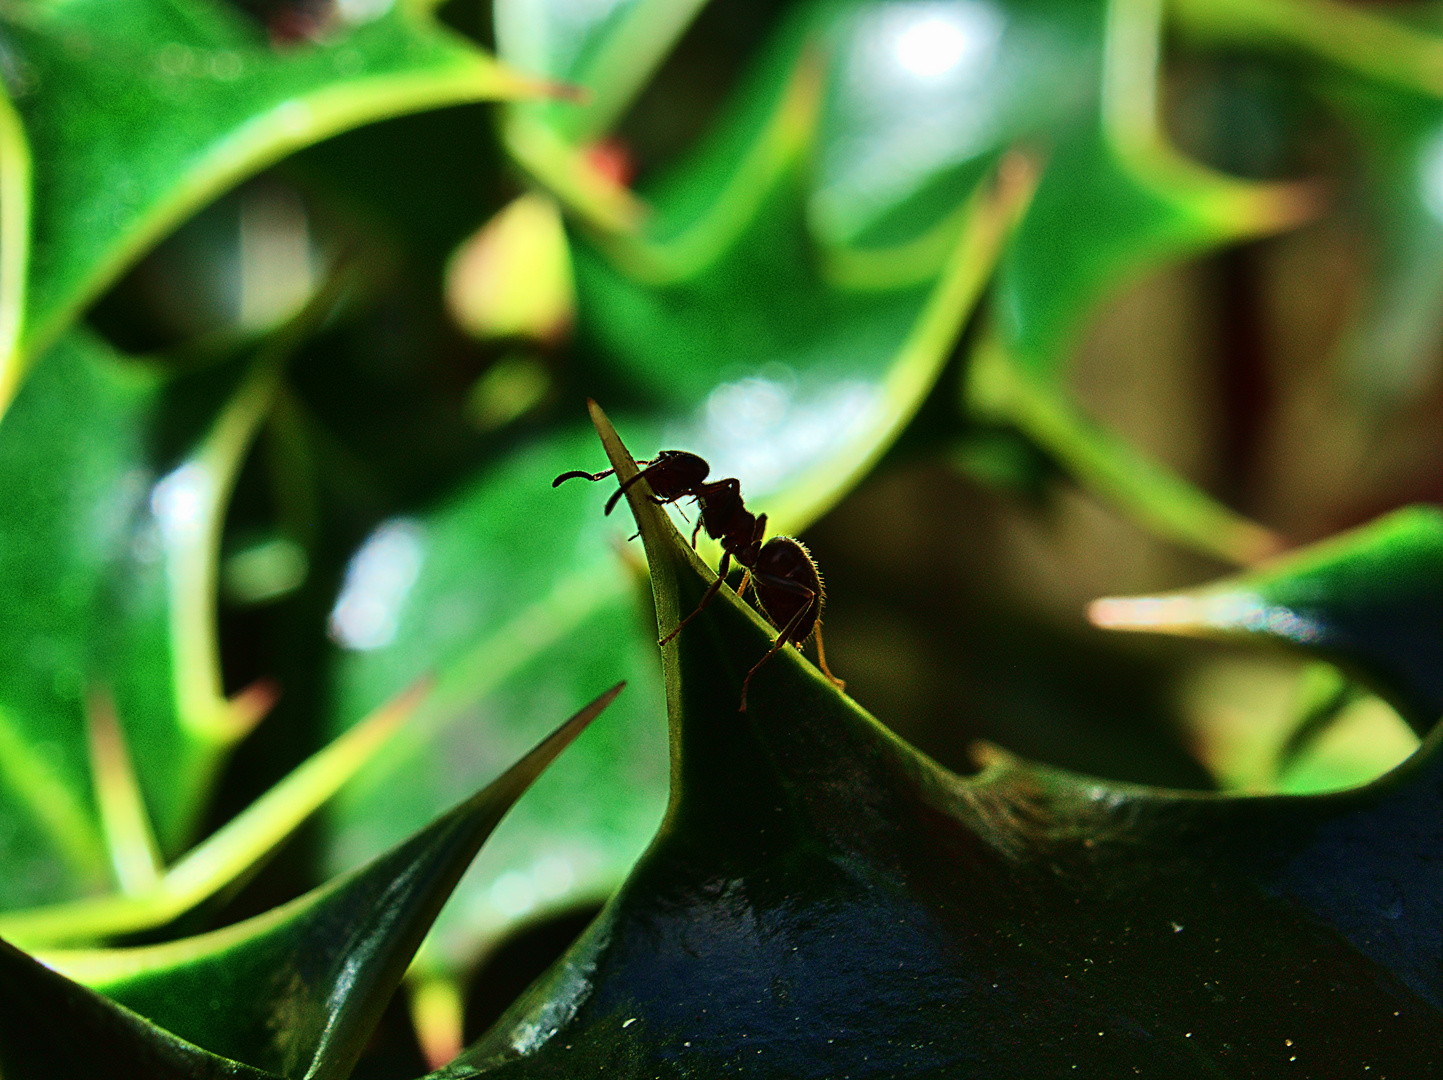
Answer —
579 474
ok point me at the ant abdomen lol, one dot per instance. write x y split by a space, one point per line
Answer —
788 587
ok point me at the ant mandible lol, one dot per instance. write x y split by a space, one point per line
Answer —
783 575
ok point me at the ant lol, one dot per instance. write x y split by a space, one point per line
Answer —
783 575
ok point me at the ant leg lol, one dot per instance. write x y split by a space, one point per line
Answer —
581 474
822 659
782 639
721 576
746 580
695 531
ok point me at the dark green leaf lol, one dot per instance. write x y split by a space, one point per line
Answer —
225 859
518 598
824 901
999 389
50 1027
1116 200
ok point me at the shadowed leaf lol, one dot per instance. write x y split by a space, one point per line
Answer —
226 858
50 1027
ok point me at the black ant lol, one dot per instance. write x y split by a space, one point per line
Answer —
782 573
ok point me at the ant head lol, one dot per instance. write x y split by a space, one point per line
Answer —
672 475
676 471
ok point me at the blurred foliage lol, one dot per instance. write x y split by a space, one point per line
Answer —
1008 305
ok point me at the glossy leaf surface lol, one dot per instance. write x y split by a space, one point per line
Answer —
106 598
299 989
822 900
1367 599
736 261
51 1027
72 468
514 595
109 180
226 858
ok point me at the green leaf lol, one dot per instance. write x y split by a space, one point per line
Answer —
797 419
1367 600
15 179
1115 201
94 75
822 900
608 49
226 858
1263 723
51 1027
108 552
1389 350
73 458
740 256
103 598
1000 389
514 595
1381 46
701 210
299 989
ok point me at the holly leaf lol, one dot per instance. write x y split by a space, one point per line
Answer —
51 1026
89 78
999 390
299 989
898 113
1115 201
1389 348
514 595
1366 600
823 900
110 525
222 862
1390 48
610 50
